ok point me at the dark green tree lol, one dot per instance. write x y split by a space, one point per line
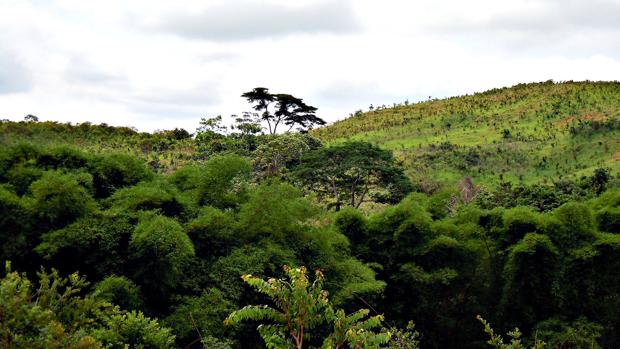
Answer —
352 173
288 110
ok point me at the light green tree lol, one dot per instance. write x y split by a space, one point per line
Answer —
496 340
302 306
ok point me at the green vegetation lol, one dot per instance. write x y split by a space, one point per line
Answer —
436 239
55 314
303 306
527 133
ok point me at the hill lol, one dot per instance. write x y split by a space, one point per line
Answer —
538 132
163 150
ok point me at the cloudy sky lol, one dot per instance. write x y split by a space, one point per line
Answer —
158 64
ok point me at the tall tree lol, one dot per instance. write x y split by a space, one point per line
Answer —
289 110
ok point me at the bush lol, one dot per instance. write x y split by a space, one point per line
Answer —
213 233
223 182
609 219
98 242
147 196
518 222
200 316
274 210
57 313
530 273
120 291
111 172
352 224
574 225
15 235
58 199
160 248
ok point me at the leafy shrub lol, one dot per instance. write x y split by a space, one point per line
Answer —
114 171
574 225
496 340
205 313
222 183
302 306
530 272
577 334
609 219
518 222
98 242
147 196
213 233
274 209
120 291
57 314
58 199
15 235
160 248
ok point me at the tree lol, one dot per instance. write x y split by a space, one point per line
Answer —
31 118
261 98
302 306
57 313
351 172
293 111
289 110
277 156
213 137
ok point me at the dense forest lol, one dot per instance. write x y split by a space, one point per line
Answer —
441 224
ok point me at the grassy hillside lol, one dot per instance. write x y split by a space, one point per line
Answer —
525 133
163 150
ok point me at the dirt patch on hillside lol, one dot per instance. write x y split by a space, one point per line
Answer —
583 117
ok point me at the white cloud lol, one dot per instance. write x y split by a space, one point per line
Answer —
243 20
155 64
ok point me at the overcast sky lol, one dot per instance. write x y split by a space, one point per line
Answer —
162 64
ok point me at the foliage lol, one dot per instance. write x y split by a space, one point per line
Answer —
350 172
534 242
14 223
578 334
59 199
279 155
55 314
97 242
289 110
119 290
496 340
274 209
408 338
147 196
115 171
535 133
301 306
205 314
159 245
529 270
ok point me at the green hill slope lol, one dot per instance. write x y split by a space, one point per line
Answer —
164 150
529 133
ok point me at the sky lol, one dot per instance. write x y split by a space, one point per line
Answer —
155 64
